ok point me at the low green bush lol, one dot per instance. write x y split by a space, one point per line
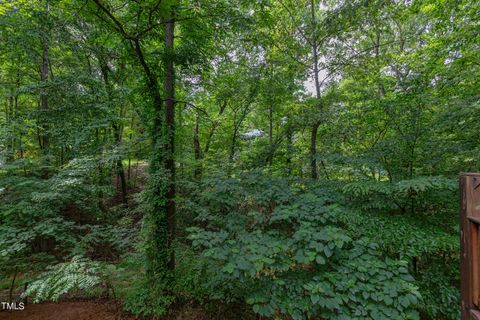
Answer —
286 253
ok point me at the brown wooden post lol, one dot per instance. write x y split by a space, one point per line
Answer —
470 245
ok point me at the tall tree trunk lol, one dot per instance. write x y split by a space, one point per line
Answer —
161 193
316 124
117 130
170 126
158 250
44 138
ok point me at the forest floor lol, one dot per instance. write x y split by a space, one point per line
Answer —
80 310
90 310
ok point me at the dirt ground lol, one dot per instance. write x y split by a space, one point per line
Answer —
92 310
65 311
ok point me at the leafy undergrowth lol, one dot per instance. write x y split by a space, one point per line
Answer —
259 246
297 260
302 251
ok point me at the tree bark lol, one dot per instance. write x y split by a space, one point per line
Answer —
117 134
119 163
12 286
270 134
10 147
160 217
44 68
313 150
233 143
170 126
130 155
288 160
197 149
316 124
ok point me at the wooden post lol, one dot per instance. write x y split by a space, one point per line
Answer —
470 245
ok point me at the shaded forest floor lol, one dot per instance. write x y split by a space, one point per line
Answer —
81 310
90 310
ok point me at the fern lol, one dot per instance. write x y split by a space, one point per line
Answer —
78 274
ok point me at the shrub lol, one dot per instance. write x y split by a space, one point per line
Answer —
298 260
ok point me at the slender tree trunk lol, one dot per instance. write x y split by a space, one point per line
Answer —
313 150
270 134
44 68
136 175
16 136
316 124
129 168
129 155
116 128
12 286
119 163
9 118
8 123
170 126
233 145
381 88
289 151
197 149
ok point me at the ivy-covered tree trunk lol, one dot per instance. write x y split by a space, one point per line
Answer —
160 193
156 225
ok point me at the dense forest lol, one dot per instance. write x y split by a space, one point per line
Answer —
237 159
